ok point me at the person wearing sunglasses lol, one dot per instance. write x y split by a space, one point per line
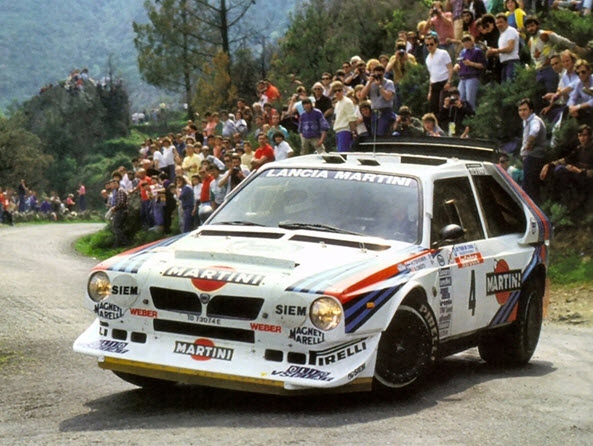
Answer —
580 101
438 63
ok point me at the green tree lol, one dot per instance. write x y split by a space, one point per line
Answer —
21 156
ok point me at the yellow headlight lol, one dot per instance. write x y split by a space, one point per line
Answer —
99 286
326 313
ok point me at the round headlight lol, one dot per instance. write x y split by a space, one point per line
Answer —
99 286
326 313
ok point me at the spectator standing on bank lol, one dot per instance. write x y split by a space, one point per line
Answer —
533 149
345 122
382 94
508 48
119 211
81 197
312 128
440 69
470 64
22 193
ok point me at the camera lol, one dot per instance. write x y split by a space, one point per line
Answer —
401 50
460 59
434 11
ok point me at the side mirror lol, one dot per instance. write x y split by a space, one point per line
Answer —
452 233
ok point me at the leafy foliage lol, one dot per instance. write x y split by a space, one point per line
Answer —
214 90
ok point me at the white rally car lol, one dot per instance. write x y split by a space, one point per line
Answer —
332 272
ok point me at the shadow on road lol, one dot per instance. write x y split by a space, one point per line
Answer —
188 406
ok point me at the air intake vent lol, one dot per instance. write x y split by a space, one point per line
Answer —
208 331
347 243
175 300
267 235
234 307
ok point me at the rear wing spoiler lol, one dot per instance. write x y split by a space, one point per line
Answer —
466 149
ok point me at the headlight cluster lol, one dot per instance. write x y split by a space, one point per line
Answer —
99 286
326 313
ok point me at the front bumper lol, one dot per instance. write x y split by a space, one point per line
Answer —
345 366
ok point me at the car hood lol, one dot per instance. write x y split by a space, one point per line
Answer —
300 261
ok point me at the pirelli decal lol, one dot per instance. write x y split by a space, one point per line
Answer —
217 275
498 282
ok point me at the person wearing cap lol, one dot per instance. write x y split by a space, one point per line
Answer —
470 63
406 124
345 121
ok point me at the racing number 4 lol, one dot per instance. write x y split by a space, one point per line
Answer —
472 294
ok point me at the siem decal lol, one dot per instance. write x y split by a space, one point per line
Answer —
354 373
212 278
143 312
110 346
203 350
307 335
106 310
304 373
502 281
342 175
124 290
335 354
291 310
266 327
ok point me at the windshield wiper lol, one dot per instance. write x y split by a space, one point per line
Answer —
237 223
314 227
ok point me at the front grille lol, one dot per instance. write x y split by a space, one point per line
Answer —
175 300
184 328
234 307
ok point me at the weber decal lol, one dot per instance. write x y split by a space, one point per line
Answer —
304 373
106 310
203 350
266 327
502 281
307 335
142 312
109 346
213 278
336 354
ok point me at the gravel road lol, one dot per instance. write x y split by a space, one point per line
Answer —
51 396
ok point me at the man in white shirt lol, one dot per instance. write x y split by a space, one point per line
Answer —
282 149
169 158
508 48
438 63
345 122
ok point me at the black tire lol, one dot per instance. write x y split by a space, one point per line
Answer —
407 348
514 345
144 381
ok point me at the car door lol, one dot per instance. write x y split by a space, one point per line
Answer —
463 264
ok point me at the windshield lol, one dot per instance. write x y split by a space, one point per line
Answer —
328 200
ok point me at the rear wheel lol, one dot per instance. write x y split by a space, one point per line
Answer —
407 347
144 381
514 345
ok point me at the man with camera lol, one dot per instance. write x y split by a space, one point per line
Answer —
400 62
234 175
442 22
453 114
382 93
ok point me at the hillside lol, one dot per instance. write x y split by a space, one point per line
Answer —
43 41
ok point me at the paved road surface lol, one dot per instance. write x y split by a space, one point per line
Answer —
51 396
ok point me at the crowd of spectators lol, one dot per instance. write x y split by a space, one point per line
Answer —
24 200
462 44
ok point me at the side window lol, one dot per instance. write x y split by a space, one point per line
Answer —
503 214
454 203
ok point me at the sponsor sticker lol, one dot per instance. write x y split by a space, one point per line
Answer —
203 350
291 310
307 335
304 373
502 281
445 301
107 310
354 373
336 354
110 346
476 169
469 260
142 312
213 278
124 290
342 175
266 327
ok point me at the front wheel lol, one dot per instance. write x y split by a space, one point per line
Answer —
514 345
407 348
